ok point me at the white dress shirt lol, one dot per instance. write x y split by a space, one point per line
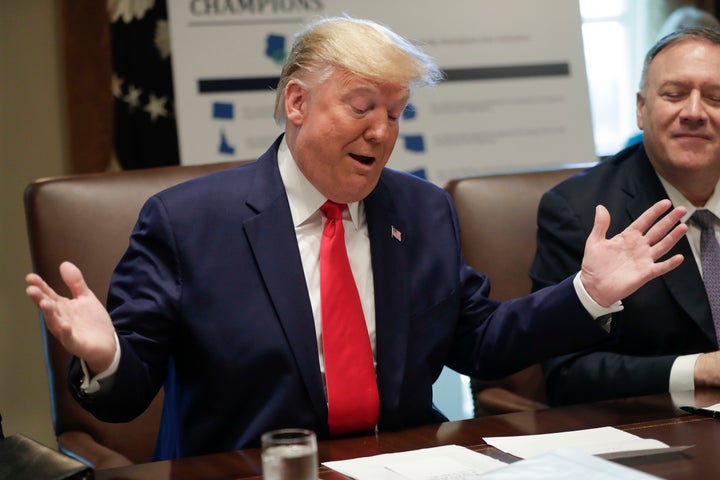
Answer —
305 202
682 374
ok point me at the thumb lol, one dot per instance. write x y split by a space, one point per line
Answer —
73 278
601 225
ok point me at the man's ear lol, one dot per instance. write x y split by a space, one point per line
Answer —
640 103
295 98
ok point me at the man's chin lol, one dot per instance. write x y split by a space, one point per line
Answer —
357 190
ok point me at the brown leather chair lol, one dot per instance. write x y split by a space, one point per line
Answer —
87 220
497 215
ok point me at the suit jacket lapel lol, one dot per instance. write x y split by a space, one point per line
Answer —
390 278
684 283
269 233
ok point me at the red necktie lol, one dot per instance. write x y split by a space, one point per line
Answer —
353 401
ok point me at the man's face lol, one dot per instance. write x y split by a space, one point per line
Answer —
342 132
679 109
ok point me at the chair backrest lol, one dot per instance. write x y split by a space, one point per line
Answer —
87 219
498 221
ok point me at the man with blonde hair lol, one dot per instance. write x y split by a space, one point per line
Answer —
315 287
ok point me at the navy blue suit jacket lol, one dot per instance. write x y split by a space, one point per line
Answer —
667 317
211 296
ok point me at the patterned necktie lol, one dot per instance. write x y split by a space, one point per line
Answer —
710 261
353 401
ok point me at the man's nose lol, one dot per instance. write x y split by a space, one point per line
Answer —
693 109
378 128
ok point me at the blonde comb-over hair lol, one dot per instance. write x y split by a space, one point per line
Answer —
361 47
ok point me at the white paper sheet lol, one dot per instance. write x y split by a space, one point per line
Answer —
437 463
593 441
564 464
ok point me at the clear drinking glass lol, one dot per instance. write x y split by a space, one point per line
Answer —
289 454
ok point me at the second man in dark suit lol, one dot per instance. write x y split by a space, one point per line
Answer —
667 339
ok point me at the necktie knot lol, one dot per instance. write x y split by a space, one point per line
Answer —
333 210
703 218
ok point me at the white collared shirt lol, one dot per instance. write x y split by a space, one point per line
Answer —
682 374
305 202
693 234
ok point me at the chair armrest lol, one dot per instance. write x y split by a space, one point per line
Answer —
81 444
493 400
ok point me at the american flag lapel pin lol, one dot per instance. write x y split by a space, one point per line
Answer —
395 233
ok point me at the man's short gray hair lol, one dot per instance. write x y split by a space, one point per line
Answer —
712 35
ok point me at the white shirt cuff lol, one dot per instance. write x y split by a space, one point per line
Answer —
682 373
92 385
594 309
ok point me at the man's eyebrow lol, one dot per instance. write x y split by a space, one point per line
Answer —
369 88
673 82
687 84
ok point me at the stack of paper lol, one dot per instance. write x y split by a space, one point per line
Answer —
555 456
607 441
449 461
564 464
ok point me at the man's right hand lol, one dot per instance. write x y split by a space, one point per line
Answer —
707 370
81 323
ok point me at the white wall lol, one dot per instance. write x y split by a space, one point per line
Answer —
32 144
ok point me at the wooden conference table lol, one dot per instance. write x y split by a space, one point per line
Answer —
649 417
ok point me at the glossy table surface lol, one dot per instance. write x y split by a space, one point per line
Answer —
649 417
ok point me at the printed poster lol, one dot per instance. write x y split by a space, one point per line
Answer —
515 97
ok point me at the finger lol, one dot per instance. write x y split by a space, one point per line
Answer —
660 229
73 278
649 216
601 224
668 241
661 268
47 306
36 280
35 293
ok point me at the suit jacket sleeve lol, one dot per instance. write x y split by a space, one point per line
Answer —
596 374
157 296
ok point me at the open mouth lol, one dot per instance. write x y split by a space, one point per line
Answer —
363 159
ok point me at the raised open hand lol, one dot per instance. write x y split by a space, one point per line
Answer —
613 268
80 323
